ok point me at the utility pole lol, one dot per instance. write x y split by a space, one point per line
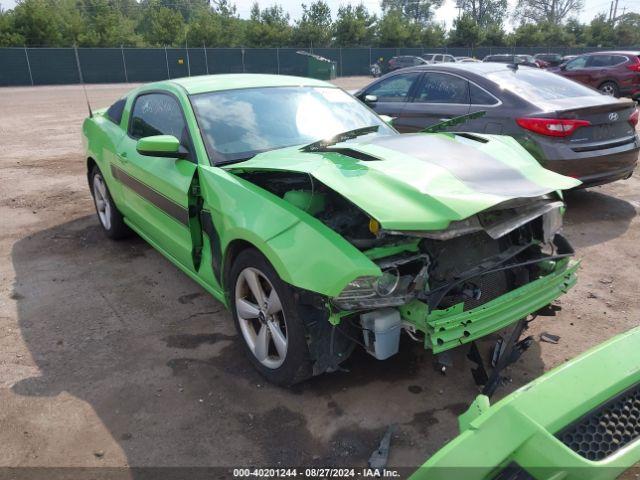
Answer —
615 12
611 11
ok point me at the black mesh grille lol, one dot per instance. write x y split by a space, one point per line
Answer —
513 471
606 429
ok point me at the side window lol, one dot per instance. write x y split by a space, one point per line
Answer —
576 63
443 88
449 58
114 113
394 89
157 114
597 61
618 59
479 96
437 59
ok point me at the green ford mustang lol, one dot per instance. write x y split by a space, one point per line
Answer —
320 226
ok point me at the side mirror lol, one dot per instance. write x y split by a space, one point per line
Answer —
166 146
387 119
370 99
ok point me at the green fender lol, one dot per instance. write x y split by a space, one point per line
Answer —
283 233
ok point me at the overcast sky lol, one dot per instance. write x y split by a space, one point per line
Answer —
445 14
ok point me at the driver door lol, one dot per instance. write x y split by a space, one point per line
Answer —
577 70
156 189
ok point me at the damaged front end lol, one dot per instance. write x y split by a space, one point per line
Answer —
443 287
454 286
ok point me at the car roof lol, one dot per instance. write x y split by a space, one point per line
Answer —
233 81
617 52
479 68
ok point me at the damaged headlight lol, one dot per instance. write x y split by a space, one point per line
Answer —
402 277
551 224
388 290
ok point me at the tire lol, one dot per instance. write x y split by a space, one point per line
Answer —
109 216
610 88
273 333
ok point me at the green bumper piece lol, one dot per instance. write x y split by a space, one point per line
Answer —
520 433
452 327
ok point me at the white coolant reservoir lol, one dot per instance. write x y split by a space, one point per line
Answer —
382 332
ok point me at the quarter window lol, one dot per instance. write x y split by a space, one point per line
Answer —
394 89
158 114
115 111
443 88
480 97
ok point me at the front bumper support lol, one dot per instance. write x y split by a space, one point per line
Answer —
452 327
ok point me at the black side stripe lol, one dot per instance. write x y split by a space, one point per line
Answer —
175 211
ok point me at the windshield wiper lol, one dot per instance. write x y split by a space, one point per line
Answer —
438 127
221 163
340 137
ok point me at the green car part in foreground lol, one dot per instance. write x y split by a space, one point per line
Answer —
580 421
319 225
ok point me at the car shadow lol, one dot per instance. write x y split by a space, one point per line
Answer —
157 359
594 217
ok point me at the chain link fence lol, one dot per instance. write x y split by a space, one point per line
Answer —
60 66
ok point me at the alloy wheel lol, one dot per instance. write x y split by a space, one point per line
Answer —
261 318
608 89
103 206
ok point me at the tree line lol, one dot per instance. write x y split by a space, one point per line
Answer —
216 23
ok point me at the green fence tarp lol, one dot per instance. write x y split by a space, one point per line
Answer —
58 66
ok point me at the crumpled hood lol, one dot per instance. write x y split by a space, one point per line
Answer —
421 181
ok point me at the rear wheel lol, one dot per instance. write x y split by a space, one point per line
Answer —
610 88
268 321
110 217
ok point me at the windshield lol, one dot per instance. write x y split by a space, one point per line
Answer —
535 85
237 124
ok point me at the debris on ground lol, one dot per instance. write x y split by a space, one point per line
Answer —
380 456
549 338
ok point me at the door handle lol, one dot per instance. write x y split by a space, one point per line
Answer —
123 156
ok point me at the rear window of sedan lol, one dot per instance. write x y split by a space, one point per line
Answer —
538 85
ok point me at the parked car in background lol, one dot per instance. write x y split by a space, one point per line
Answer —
546 60
613 73
568 127
566 58
526 60
466 60
404 61
438 58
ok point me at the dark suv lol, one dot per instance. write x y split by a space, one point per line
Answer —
526 60
404 61
548 59
613 73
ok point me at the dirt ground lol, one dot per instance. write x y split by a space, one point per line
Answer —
110 356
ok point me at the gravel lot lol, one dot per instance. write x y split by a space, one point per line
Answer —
110 356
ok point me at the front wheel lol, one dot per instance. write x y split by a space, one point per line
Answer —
610 88
268 321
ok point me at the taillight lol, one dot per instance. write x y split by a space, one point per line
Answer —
634 66
633 118
552 127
